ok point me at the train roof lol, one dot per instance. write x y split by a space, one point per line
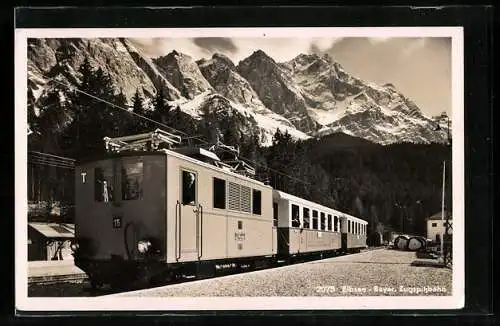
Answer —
283 195
177 154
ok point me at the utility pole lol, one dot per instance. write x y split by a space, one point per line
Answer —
442 212
445 224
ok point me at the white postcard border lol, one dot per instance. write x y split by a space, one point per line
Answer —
25 303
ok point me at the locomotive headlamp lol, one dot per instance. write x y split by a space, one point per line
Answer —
143 246
74 246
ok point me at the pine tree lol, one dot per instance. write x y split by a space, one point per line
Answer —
94 117
32 118
161 109
52 120
138 103
140 124
123 119
231 133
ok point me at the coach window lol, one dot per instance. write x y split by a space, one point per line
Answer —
306 217
295 216
219 193
103 185
275 214
348 226
188 188
329 222
323 222
315 220
257 199
132 176
335 223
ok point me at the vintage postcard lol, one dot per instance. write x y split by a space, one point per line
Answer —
239 169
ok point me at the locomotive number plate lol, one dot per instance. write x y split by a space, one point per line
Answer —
117 222
239 236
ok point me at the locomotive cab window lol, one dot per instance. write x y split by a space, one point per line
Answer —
315 220
188 188
295 216
275 214
256 202
306 224
132 177
103 185
219 193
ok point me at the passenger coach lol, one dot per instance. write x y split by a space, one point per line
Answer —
307 228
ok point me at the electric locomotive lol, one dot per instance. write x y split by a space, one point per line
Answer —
152 209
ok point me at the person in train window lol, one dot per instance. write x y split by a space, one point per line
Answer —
105 195
106 190
295 216
189 188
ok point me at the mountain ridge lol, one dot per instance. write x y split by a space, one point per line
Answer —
309 96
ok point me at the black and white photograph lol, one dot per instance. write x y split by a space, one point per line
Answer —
239 168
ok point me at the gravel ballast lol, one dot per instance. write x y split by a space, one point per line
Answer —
379 272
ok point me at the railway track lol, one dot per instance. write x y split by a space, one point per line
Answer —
78 285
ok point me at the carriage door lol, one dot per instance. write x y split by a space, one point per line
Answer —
189 216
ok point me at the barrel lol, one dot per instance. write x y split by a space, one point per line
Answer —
401 242
416 243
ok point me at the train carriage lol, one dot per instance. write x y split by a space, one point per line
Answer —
353 233
305 227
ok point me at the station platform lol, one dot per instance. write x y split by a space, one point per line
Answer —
54 271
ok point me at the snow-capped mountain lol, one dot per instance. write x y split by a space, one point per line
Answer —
276 89
308 96
221 73
340 102
49 58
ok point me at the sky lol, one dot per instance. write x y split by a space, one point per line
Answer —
418 67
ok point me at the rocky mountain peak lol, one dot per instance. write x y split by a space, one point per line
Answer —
276 89
183 73
327 58
257 58
223 59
